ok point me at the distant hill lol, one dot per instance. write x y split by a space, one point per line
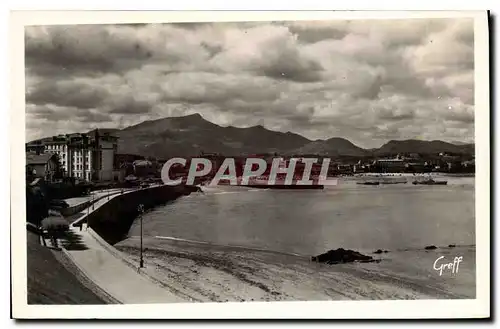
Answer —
459 143
192 134
333 147
423 147
111 131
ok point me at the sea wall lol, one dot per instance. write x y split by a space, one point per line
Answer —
113 220
71 210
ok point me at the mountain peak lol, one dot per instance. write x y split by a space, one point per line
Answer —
193 116
334 145
194 119
336 139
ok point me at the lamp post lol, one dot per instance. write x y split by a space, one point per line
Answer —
88 213
141 210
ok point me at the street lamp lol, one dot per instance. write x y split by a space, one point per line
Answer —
141 211
88 213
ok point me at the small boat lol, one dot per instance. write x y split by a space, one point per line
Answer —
393 182
429 181
280 184
368 183
285 186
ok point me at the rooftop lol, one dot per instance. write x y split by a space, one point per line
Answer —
33 158
106 134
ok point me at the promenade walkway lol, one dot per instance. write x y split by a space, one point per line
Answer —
78 206
93 196
109 268
114 275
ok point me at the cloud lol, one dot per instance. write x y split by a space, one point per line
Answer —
367 81
78 93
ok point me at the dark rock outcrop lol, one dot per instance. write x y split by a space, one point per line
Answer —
430 247
451 246
341 255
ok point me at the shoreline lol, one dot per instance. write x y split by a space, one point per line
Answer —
191 271
217 273
210 271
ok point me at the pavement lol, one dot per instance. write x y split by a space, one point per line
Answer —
99 199
92 196
113 275
108 268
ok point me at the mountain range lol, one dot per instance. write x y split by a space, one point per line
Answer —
191 135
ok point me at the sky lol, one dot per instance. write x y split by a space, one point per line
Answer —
369 81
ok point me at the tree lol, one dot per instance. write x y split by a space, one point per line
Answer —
55 226
37 205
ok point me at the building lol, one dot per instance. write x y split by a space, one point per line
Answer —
144 168
344 169
469 166
45 165
390 165
89 156
361 168
416 167
414 156
121 158
125 164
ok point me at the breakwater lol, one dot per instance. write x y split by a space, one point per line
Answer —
112 220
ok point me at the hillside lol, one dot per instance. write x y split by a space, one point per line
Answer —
332 147
192 134
423 147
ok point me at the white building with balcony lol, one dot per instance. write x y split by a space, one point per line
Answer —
89 156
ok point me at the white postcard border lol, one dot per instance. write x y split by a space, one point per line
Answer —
479 307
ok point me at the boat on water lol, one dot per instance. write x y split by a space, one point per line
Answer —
430 181
280 184
286 187
368 183
392 182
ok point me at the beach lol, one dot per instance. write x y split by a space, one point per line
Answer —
238 244
199 272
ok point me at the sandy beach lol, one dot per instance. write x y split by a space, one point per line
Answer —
202 272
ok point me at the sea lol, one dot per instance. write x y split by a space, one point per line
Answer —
240 244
